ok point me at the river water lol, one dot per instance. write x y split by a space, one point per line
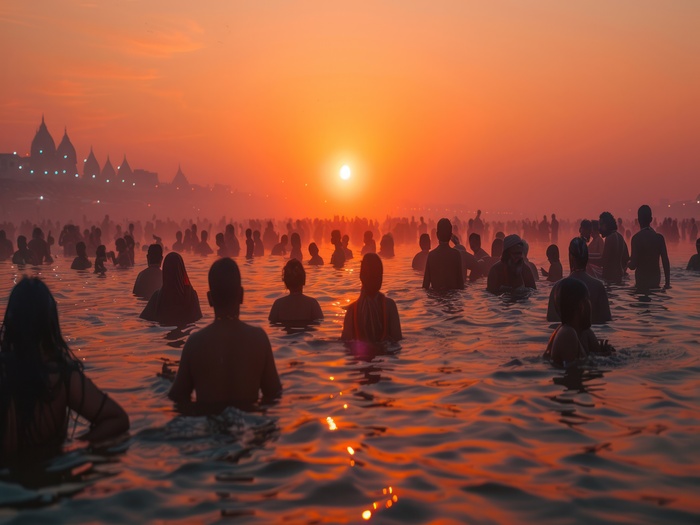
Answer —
463 422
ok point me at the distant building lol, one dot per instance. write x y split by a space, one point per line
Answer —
45 159
180 181
91 168
145 178
12 166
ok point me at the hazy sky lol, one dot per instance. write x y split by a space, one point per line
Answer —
530 106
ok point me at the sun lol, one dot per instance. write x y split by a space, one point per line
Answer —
345 172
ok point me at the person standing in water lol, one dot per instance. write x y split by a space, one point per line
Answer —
295 307
648 247
443 268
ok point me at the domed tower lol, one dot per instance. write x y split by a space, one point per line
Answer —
180 181
108 174
126 176
91 168
66 159
43 152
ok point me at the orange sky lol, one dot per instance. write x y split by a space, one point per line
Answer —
536 107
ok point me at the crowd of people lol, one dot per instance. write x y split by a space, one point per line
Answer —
231 362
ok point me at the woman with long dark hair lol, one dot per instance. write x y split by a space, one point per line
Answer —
41 381
176 303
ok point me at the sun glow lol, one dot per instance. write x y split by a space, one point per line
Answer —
345 172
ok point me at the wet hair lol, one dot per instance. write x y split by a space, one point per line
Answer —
224 283
552 252
30 338
371 273
578 250
37 233
335 236
444 230
293 274
101 251
607 218
475 238
81 249
313 249
21 242
155 254
295 240
644 215
571 293
585 225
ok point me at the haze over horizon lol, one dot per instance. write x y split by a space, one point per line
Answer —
529 107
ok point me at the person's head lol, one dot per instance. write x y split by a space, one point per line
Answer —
193 227
574 303
154 256
512 249
608 224
175 277
248 233
554 216
500 235
552 253
129 241
386 244
475 241
371 273
178 236
644 216
697 245
368 236
31 332
293 275
256 235
444 230
497 247
81 249
3 235
225 293
578 254
101 251
335 236
219 240
585 229
346 240
205 235
424 242
37 233
284 240
313 249
230 229
21 242
295 240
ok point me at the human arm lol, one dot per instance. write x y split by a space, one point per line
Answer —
665 263
270 384
107 418
566 347
183 385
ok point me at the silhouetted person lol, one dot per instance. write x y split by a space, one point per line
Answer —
176 303
647 248
693 232
23 255
443 269
81 261
511 273
295 252
316 259
338 256
249 244
122 259
295 307
555 271
228 362
373 317
585 230
348 252
597 244
259 246
470 266
386 245
369 246
280 249
40 248
222 249
178 245
41 381
694 262
150 279
129 241
233 247
554 225
270 237
544 229
101 259
573 340
475 245
578 260
203 247
615 254
6 248
421 258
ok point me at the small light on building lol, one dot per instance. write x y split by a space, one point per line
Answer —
41 198
93 176
65 156
41 151
107 180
